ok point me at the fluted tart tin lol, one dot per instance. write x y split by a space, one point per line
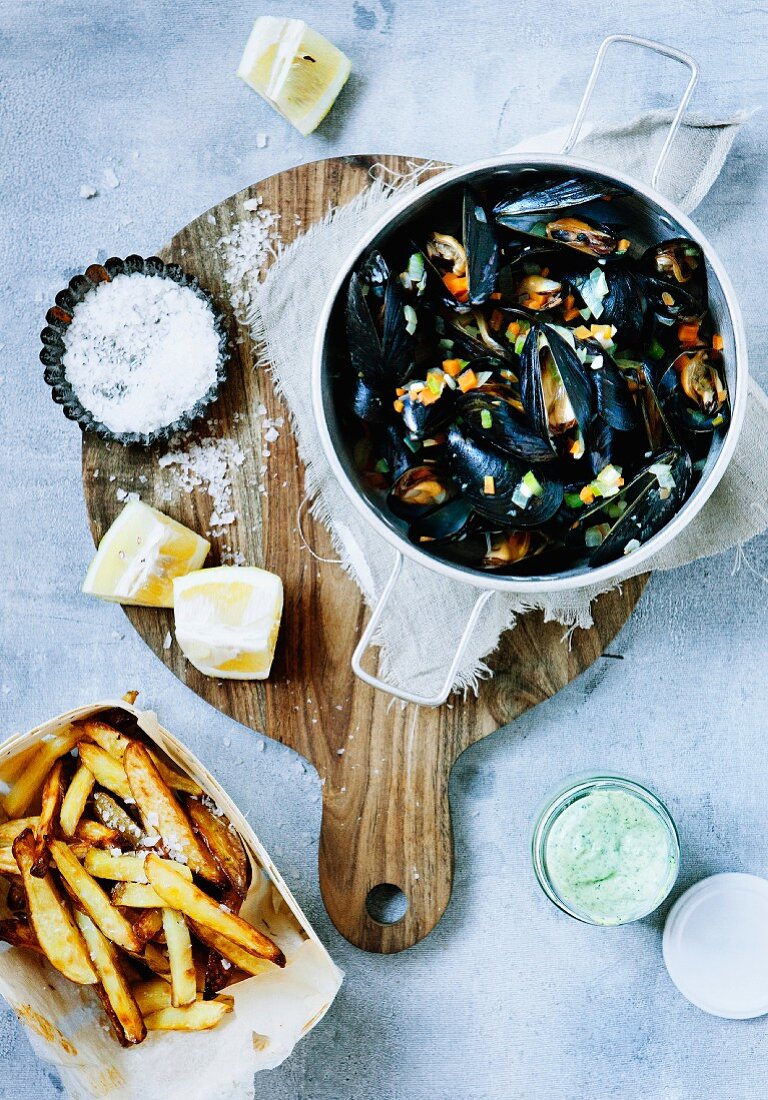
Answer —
84 288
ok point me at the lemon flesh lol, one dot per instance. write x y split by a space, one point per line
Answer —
295 69
227 620
140 555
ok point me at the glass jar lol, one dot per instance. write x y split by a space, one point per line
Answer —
605 850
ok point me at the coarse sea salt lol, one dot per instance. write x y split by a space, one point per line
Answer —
209 465
140 351
245 250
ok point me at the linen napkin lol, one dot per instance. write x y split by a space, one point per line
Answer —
419 630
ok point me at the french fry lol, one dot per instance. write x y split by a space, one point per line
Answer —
51 801
73 803
16 899
160 810
19 934
113 816
93 899
200 1016
179 944
95 835
105 736
152 995
106 962
107 771
124 868
222 842
238 956
148 924
8 865
128 867
181 894
115 743
18 800
9 830
50 918
156 959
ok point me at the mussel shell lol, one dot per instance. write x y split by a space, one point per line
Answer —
508 431
550 195
649 507
681 409
443 524
613 397
483 251
577 384
473 346
677 264
381 358
623 305
472 463
420 490
424 420
369 405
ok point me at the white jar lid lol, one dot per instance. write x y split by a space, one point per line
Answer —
716 945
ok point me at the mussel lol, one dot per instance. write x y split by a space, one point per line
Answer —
492 415
692 391
555 391
623 522
550 195
499 487
420 490
380 326
463 271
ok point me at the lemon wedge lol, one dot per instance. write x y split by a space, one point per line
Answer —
295 69
227 620
140 555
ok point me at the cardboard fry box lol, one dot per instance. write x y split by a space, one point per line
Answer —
68 1028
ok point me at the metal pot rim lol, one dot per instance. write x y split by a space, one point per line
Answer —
614 571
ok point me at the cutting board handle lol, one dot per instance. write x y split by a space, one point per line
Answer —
386 844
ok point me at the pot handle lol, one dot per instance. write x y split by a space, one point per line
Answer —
402 693
655 47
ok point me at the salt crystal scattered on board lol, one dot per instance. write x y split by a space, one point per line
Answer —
245 250
208 465
167 640
110 178
88 191
124 495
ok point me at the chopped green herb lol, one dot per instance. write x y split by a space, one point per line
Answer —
655 350
486 419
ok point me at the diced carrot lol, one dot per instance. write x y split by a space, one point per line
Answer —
452 367
587 495
496 296
401 391
571 314
717 342
582 332
399 406
623 245
688 333
467 381
513 329
457 285
620 482
427 397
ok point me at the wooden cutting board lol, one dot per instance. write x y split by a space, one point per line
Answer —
384 769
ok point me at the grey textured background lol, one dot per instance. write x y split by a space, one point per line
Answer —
507 998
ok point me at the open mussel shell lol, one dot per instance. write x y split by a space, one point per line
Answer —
555 391
419 490
677 265
482 248
572 230
380 328
621 523
613 397
491 482
693 393
472 337
493 416
548 196
59 317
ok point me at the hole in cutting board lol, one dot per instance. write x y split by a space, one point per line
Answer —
386 904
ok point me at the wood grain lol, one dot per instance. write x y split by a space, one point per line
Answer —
384 769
